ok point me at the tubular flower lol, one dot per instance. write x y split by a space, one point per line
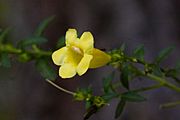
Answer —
78 55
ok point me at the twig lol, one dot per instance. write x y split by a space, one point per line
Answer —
60 88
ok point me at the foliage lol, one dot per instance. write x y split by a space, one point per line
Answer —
29 49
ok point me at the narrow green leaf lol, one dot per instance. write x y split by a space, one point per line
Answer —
157 71
124 76
132 97
32 41
109 96
120 108
61 42
139 53
163 54
4 34
4 60
43 25
92 110
107 82
44 68
177 67
172 72
123 46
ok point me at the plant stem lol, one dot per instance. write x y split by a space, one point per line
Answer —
8 48
60 88
171 104
164 82
148 88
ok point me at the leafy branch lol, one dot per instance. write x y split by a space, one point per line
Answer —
130 67
29 50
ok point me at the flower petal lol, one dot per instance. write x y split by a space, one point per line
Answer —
67 71
59 55
86 42
72 57
100 58
71 36
84 64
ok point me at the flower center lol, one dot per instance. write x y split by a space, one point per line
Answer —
77 50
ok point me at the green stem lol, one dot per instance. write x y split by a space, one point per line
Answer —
160 80
171 104
8 48
60 88
164 82
148 88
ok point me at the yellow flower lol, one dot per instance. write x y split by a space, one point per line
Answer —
78 55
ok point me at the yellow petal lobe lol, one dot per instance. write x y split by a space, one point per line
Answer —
100 58
67 71
71 36
86 42
84 64
59 55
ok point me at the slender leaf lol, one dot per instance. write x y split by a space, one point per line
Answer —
125 74
139 53
173 73
120 108
61 42
178 66
92 110
45 69
107 82
43 25
32 41
109 96
4 60
132 97
163 54
157 71
4 34
123 46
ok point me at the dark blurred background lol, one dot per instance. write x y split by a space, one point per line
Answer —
24 94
